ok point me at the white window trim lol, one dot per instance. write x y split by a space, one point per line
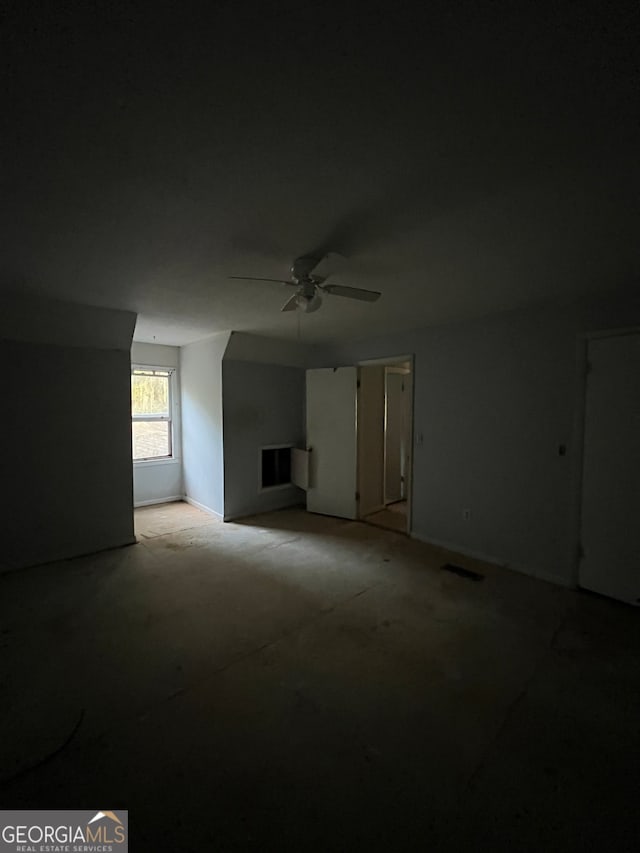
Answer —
173 419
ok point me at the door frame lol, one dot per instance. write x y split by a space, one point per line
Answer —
395 361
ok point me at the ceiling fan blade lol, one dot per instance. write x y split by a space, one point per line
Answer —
291 304
252 278
352 292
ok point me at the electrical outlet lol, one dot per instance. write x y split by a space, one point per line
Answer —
466 514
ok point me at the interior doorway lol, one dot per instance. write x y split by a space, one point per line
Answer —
384 431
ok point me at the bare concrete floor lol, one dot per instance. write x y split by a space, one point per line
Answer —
296 682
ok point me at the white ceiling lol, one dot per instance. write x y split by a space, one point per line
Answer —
464 160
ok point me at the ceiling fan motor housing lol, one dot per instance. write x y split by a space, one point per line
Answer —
309 303
302 267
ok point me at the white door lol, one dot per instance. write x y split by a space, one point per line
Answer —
407 434
394 437
371 440
331 440
610 535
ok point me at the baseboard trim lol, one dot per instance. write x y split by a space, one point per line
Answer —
153 501
203 507
496 561
250 513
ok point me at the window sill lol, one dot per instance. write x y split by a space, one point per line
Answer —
145 463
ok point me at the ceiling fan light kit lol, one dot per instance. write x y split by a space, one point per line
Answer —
310 288
309 304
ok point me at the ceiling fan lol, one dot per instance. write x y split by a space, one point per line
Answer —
311 288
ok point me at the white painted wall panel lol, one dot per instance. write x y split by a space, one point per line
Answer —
263 406
201 395
66 469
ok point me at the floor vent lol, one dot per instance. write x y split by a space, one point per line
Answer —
463 573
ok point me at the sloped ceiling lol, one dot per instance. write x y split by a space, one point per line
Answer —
463 159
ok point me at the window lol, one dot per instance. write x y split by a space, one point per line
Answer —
276 466
151 421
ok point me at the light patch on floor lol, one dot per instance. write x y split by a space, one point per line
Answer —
161 519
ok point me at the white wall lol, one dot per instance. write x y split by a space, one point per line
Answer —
228 415
156 355
161 480
263 405
493 401
243 346
201 396
66 466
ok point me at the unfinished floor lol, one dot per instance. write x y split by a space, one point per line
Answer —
296 682
171 517
392 517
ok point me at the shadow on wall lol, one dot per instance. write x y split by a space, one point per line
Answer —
69 427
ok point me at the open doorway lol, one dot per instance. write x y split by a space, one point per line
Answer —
385 419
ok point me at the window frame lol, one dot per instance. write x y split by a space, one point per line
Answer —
146 369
